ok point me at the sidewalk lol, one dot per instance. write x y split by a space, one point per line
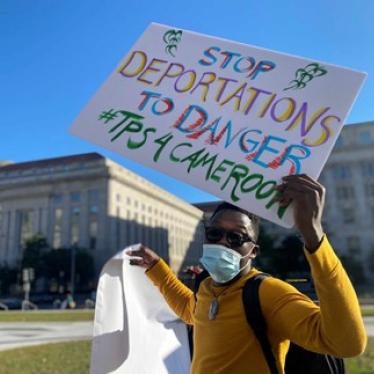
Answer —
21 334
369 324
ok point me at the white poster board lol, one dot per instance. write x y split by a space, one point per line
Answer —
135 331
228 118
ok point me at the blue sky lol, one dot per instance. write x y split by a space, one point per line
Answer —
56 53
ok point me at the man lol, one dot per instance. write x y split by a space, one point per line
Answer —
223 341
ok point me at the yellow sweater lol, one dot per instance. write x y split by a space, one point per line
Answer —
227 344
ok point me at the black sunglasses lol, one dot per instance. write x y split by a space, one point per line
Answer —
235 239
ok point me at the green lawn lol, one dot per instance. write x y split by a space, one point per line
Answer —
47 315
58 358
74 358
363 364
76 315
368 311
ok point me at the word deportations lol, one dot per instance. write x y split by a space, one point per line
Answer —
236 178
237 95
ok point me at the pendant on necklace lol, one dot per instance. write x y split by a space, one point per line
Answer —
213 309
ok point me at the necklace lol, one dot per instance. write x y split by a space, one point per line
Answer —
214 305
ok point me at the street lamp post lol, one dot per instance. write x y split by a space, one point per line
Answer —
27 277
72 269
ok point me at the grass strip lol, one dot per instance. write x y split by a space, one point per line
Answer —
57 358
47 316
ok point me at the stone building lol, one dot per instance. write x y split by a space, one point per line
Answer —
349 179
92 202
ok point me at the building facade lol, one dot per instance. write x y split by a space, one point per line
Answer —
349 180
91 202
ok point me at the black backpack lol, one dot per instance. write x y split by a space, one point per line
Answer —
298 359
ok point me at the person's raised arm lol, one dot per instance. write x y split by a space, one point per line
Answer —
336 326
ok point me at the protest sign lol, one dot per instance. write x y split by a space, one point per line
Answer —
228 118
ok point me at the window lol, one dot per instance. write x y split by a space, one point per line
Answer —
58 198
369 189
93 226
348 215
345 192
367 169
131 231
118 197
93 196
75 218
364 137
342 172
75 197
57 228
26 218
118 227
353 244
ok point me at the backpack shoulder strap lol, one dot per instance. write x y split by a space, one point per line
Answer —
198 279
256 319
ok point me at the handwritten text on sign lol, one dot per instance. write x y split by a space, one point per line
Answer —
226 117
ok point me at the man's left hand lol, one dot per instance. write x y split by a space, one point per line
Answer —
308 200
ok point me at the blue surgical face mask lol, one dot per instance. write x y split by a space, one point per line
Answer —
222 263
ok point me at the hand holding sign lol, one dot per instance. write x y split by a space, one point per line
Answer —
308 197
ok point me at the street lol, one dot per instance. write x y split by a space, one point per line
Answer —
20 334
